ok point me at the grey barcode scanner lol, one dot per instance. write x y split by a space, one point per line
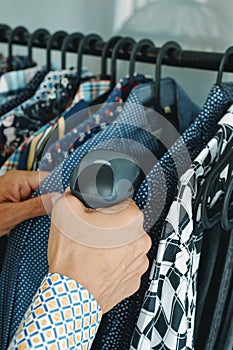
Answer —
104 178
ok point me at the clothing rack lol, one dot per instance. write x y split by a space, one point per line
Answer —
186 58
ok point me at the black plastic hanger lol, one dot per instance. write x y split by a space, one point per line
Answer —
39 36
55 42
122 44
226 221
107 47
225 58
104 76
140 48
5 32
72 40
23 35
212 216
168 49
86 42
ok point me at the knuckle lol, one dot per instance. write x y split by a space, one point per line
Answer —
144 244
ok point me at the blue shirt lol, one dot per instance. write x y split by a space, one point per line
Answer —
26 257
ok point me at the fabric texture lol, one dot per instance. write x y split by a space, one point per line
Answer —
25 94
19 158
12 83
23 271
90 90
172 95
167 317
62 315
51 98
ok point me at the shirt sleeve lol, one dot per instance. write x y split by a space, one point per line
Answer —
62 315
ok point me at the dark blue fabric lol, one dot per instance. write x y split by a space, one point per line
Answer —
101 117
75 109
26 257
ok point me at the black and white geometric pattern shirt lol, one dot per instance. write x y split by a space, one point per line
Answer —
166 320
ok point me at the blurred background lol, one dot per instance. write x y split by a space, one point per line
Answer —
204 25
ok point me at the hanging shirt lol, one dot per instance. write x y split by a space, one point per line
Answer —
19 159
58 151
76 113
51 98
155 197
17 62
63 315
12 83
167 316
173 105
24 269
25 94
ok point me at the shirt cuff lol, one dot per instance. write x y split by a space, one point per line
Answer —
62 315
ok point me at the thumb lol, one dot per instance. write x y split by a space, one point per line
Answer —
30 208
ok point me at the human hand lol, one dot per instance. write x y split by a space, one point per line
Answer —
16 187
109 274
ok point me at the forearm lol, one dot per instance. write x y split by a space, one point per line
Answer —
62 313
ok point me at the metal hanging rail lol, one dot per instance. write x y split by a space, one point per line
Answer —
186 58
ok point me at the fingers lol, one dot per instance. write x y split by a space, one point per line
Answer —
35 178
18 185
34 207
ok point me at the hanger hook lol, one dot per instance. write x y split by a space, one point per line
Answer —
224 61
226 222
139 48
72 40
107 47
20 32
41 36
121 45
5 32
89 40
167 49
55 42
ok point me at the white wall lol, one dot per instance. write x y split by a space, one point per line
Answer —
70 15
86 16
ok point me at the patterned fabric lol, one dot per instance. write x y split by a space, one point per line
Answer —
90 90
18 160
107 113
25 262
18 62
34 271
62 315
166 320
160 187
12 83
50 100
25 94
12 162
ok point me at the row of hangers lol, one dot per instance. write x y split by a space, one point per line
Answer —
114 48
